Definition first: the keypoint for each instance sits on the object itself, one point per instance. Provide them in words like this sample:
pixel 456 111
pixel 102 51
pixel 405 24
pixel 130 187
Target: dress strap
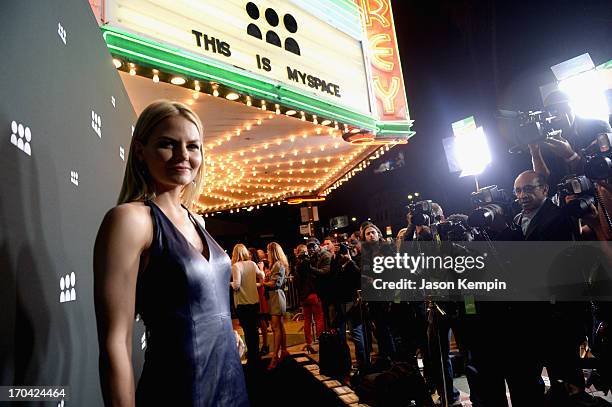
pixel 157 219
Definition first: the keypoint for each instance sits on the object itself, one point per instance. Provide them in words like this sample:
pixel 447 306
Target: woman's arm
pixel 271 281
pixel 122 237
pixel 277 276
pixel 236 277
pixel 261 276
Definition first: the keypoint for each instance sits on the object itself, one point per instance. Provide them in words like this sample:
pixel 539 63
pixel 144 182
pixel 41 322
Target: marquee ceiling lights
pixel 216 90
pixel 255 156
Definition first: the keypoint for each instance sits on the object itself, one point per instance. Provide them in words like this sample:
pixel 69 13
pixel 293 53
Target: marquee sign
pixel 275 39
pixel 386 71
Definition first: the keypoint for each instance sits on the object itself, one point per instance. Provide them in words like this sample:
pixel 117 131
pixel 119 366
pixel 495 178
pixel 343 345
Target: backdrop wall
pixel 66 124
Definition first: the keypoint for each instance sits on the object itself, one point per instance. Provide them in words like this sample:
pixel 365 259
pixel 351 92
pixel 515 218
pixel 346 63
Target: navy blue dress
pixel 191 357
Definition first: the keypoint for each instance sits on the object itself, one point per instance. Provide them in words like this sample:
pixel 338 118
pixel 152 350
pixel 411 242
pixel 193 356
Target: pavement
pixel 296 342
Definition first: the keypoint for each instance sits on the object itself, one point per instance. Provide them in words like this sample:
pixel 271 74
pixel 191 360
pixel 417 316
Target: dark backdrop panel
pixel 55 71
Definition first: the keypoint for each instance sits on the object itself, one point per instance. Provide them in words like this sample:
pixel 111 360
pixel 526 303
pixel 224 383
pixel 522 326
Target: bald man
pixel 540 219
pixel 515 340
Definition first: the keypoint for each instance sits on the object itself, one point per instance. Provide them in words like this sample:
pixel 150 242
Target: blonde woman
pixel 245 275
pixel 277 303
pixel 152 257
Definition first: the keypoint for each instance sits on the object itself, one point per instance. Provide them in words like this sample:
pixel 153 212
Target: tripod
pixel 434 312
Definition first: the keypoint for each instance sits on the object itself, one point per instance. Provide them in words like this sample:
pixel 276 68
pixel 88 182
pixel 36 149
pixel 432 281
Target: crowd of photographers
pixel 566 196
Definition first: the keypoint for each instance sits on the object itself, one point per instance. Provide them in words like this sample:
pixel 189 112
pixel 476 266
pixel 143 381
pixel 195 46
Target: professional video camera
pixel 534 126
pixel 303 257
pixel 490 203
pixel 581 187
pixel 598 156
pixel 455 228
pixel 422 213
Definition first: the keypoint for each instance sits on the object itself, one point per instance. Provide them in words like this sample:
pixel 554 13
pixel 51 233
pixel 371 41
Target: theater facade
pixel 296 96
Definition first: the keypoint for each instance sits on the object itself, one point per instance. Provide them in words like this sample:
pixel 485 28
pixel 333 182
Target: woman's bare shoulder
pixel 132 212
pixel 130 220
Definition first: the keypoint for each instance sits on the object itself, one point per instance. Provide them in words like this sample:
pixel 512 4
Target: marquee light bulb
pixel 178 80
pixel 117 63
pixel 132 69
pixel 196 86
pixel 232 96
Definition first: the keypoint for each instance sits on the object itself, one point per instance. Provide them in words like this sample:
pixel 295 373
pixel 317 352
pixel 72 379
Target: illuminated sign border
pixel 385 69
pixel 155 55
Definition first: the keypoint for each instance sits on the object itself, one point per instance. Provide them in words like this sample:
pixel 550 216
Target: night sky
pixel 459 58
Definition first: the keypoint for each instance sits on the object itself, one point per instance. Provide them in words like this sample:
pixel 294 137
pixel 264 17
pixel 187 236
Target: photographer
pixel 558 325
pixel 560 153
pixel 319 266
pixel 349 307
pixel 570 152
pixel 540 219
pixel 433 320
pixel 371 239
pixel 310 301
pixel 422 218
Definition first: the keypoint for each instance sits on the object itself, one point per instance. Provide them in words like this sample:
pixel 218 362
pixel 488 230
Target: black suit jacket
pixel 551 223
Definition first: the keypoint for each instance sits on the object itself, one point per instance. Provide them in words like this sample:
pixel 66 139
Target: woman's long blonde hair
pixel 240 253
pixel 275 254
pixel 136 185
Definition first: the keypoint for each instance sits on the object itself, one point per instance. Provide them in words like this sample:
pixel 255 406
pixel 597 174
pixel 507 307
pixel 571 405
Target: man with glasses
pixel 557 325
pixel 540 219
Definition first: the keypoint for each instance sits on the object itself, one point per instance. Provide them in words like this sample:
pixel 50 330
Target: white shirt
pixel 244 282
pixel 527 217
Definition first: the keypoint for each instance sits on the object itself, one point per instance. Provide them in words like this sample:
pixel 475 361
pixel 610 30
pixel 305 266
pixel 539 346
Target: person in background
pixel 379 310
pixel 277 303
pixel 263 257
pixel 320 268
pixel 263 317
pixel 311 303
pixel 348 309
pixel 245 276
pixel 328 244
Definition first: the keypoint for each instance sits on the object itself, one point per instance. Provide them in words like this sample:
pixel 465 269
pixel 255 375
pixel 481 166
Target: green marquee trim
pixel 149 53
pixel 606 65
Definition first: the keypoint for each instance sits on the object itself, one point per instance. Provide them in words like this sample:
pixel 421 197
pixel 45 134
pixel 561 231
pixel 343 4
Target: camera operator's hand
pixel 592 215
pixel 559 146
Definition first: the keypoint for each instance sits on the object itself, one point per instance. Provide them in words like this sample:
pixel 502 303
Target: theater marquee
pixel 276 39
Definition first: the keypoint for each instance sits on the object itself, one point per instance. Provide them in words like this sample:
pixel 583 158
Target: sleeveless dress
pixel 191 357
pixel 278 302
